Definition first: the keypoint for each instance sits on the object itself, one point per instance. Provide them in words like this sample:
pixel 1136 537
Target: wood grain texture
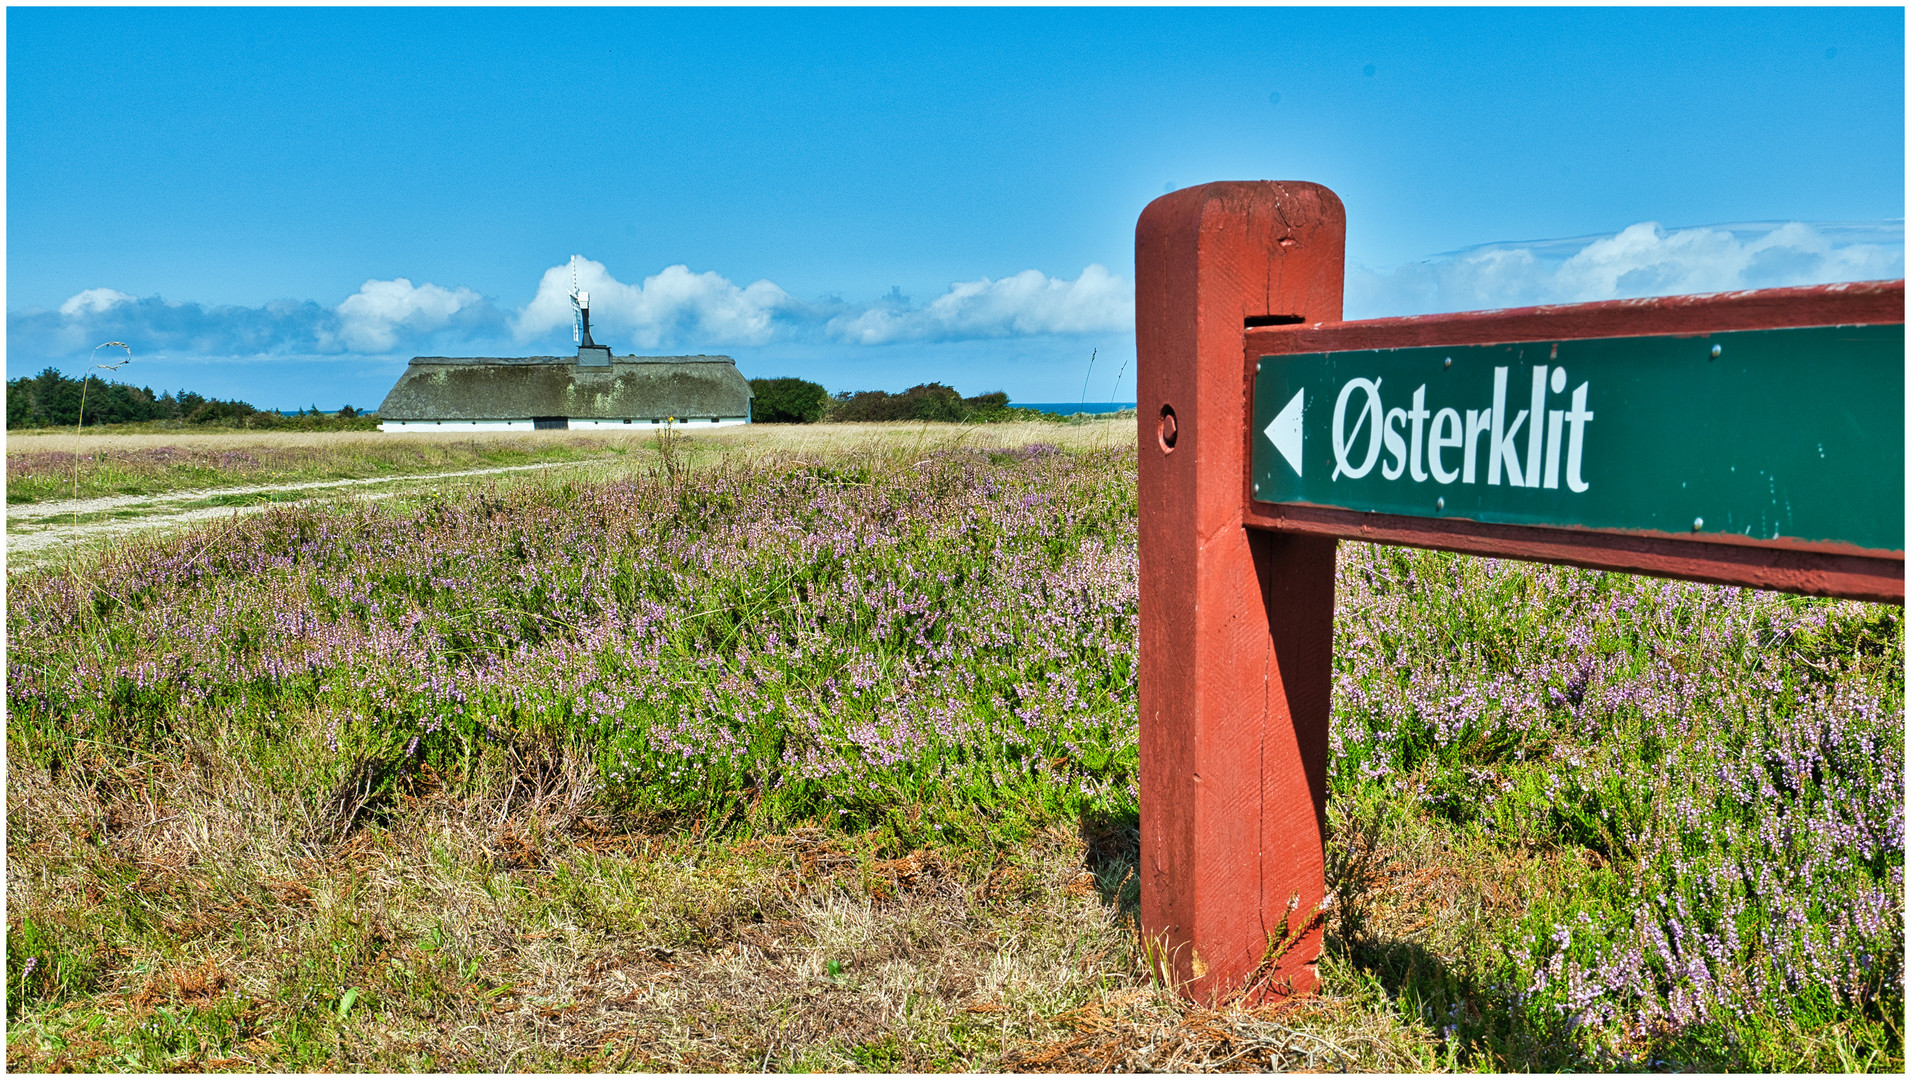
pixel 1236 624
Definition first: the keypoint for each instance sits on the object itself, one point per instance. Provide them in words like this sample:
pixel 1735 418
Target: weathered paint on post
pixel 1236 623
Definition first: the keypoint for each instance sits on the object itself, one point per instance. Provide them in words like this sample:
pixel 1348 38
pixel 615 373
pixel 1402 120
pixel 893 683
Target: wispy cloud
pixel 680 305
pixel 93 301
pixel 154 325
pixel 1640 260
pixel 681 308
pixel 1029 303
pixel 381 317
pixel 674 308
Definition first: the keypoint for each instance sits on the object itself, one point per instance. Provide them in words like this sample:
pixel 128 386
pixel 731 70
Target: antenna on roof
pixel 577 307
pixel 580 311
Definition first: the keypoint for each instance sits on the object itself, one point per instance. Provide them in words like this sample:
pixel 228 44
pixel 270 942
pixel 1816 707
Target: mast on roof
pixel 580 312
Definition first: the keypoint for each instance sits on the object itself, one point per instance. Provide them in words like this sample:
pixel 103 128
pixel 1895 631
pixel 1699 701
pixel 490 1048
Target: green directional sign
pixel 1791 434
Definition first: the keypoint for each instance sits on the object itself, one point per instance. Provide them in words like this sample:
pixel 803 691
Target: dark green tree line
pixel 929 401
pixel 51 399
pixel 799 401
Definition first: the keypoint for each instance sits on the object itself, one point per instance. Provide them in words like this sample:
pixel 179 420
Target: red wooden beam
pixel 1792 566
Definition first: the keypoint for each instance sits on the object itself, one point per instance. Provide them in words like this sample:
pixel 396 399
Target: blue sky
pixel 284 205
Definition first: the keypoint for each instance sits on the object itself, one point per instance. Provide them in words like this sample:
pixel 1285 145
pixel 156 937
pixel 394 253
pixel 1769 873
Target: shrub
pixel 928 401
pixel 989 408
pixel 786 401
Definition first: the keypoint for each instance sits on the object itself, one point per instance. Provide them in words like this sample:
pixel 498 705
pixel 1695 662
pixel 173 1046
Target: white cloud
pixel 681 309
pixel 381 317
pixel 673 305
pixel 675 308
pixel 380 313
pixel 1027 304
pixel 93 301
pixel 1640 260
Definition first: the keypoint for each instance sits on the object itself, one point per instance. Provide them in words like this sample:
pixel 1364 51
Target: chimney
pixel 589 353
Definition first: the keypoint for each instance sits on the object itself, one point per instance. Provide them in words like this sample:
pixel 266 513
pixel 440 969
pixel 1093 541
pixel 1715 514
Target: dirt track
pixel 33 528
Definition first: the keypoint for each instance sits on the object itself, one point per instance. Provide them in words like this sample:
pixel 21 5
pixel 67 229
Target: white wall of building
pixel 575 424
pixel 699 422
pixel 454 425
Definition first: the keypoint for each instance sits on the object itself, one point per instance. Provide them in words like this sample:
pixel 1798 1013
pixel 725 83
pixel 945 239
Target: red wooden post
pixel 1236 624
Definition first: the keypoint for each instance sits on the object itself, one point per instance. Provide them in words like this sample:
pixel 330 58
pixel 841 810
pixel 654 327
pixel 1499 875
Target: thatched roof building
pixel 590 390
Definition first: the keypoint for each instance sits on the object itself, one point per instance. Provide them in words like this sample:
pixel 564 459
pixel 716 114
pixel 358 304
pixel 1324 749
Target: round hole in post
pixel 1165 434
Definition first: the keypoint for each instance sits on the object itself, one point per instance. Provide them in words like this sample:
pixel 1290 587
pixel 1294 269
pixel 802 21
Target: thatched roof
pixel 509 388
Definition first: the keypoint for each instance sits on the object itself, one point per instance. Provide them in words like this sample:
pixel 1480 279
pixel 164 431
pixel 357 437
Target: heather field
pixel 70 494
pixel 821 755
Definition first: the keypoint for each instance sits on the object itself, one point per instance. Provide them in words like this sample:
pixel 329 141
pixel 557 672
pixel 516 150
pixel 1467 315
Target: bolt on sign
pixel 1751 438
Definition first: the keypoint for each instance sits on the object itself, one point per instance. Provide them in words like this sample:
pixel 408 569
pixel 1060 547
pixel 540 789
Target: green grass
pixel 258 421
pixel 145 509
pixel 39 475
pixel 826 762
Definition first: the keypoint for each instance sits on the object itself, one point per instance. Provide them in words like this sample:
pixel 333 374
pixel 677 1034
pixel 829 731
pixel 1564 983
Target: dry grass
pixel 230 909
pixel 784 437
pixel 510 929
pixel 215 911
pixel 56 474
pixel 837 438
pixel 62 441
pixel 1146 1031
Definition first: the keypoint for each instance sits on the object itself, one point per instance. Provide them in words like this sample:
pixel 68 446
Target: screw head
pixel 1698 523
pixel 1257 489
pixel 1440 503
pixel 1447 363
pixel 1717 351
pixel 1257 367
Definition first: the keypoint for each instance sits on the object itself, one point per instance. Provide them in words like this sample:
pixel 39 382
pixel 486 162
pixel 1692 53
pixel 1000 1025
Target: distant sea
pixel 1067 408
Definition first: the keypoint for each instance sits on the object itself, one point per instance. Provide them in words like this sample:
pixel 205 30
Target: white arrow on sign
pixel 1285 432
